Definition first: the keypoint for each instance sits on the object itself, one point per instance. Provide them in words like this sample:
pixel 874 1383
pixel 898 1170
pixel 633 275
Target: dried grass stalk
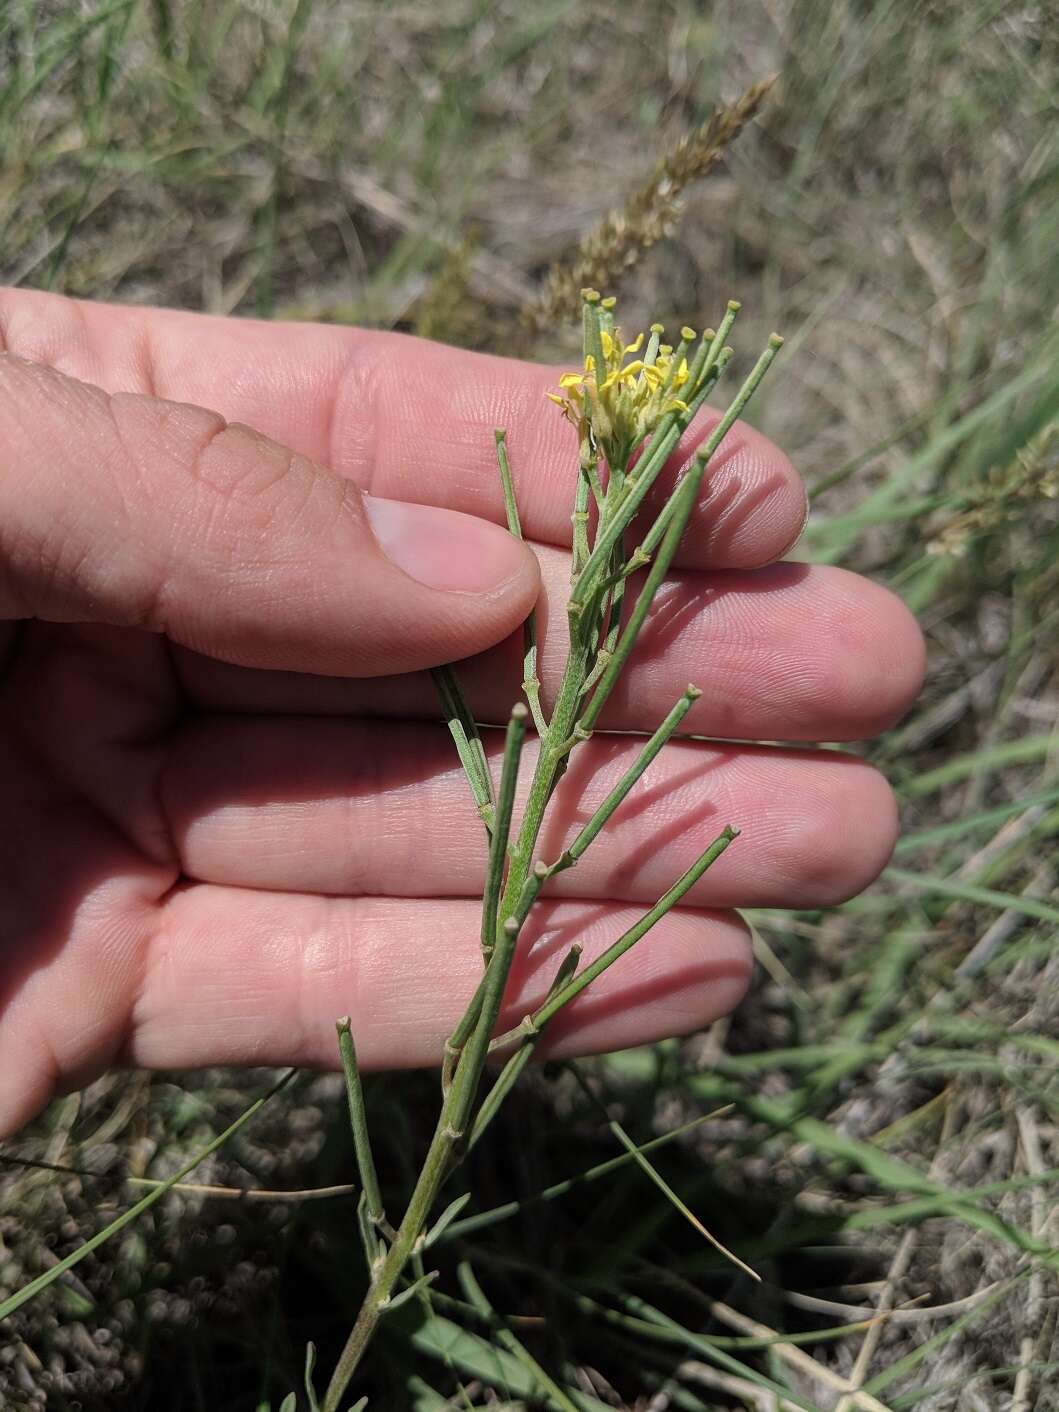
pixel 620 241
pixel 447 310
pixel 1002 495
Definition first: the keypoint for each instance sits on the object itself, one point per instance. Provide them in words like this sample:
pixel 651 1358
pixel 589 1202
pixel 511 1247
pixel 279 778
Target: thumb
pixel 138 512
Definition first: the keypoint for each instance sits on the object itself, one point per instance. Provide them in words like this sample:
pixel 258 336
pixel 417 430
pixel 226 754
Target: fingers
pixel 131 511
pixel 106 954
pixel 791 652
pixel 221 975
pixel 404 418
pixel 375 808
pixel 236 977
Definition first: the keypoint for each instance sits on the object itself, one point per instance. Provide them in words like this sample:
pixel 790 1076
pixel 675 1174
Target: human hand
pixel 229 820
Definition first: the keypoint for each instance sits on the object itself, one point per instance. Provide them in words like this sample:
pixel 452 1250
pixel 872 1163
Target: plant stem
pixel 433 1173
pixel 531 683
pixel 655 1176
pixel 504 1336
pixel 621 790
pixel 591 335
pixel 358 1121
pixel 703 373
pixel 599 649
pixel 642 553
pixel 606 959
pixel 518 1061
pixel 481 1220
pixel 551 764
pixel 647 470
pixel 731 313
pixel 579 521
pixel 688 489
pixel 468 742
pixel 494 877
pixel 460 1035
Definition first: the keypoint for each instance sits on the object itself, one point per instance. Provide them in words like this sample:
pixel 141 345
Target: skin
pixel 231 813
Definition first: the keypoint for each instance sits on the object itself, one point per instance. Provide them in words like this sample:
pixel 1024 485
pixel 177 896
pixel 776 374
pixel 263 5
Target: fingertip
pixel 451 551
pixel 754 505
pixel 481 583
pixel 837 833
pixel 891 655
pixel 698 970
pixel 27 1077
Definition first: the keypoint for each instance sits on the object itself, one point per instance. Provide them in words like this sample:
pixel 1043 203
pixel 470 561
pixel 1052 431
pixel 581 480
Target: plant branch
pixel 494 877
pixel 509 1075
pixel 531 684
pixel 504 1336
pixel 621 790
pixel 612 404
pixel 628 939
pixel 358 1121
pixel 468 742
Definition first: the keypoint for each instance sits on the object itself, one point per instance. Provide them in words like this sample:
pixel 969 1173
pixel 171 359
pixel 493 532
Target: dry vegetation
pixel 894 1140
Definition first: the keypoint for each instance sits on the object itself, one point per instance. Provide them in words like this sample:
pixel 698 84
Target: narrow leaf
pixel 451 1211
pixel 310 1364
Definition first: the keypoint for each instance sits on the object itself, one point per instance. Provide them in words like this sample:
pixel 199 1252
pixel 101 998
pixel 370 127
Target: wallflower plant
pixel 629 404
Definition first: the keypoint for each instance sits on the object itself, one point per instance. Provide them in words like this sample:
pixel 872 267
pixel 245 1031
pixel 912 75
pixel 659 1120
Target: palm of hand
pixel 207 862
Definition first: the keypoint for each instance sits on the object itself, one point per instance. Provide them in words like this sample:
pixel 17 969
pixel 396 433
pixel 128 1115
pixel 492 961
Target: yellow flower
pixel 624 406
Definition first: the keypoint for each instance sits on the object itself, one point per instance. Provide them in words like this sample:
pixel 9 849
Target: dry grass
pixel 613 248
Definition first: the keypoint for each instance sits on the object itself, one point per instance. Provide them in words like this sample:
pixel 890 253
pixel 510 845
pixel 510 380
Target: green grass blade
pixel 968 892
pixel 1011 752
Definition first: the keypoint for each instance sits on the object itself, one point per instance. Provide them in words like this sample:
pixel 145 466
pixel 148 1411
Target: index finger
pixel 404 418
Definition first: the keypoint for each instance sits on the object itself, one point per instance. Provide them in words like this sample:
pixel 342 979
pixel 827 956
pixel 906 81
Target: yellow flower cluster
pixel 626 404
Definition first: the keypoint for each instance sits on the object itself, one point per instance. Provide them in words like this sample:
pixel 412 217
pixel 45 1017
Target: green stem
pixel 468 742
pixel 689 489
pixel 507 484
pixel 653 1174
pixel 591 337
pixel 506 904
pixel 647 469
pixel 616 588
pixel 627 940
pixel 358 1121
pixel 687 338
pixel 460 1035
pixel 621 790
pixel 531 684
pixel 723 330
pixel 504 1336
pixel 591 471
pixel 509 1075
pixel 651 539
pixel 702 375
pixel 494 877
pixel 452 1123
pixel 579 521
pixel 481 1220
pixel 568 985
pixel 380 1291
pixel 472 1059
pixel 551 764
pixel 641 555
